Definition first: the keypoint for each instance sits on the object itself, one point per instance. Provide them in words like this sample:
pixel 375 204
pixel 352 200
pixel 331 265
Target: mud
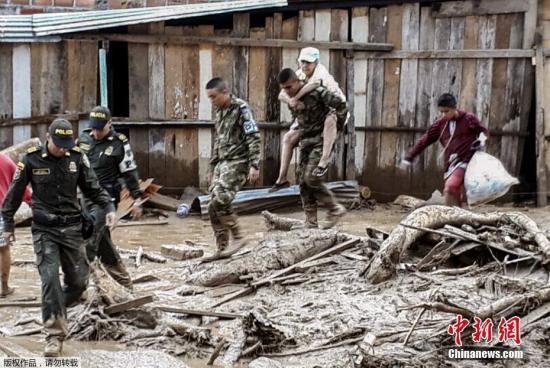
pixel 331 302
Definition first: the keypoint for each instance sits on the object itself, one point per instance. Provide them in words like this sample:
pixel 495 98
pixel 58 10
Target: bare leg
pixel 329 137
pixel 290 140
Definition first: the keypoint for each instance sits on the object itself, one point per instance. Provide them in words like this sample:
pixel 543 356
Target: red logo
pixel 508 329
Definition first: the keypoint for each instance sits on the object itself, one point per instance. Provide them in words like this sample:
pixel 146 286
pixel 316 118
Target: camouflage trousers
pixel 228 178
pixel 59 246
pixel 313 190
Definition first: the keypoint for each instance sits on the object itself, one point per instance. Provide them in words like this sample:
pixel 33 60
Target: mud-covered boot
pixel 54 346
pixel 334 215
pixel 311 218
pixel 230 222
pixel 120 274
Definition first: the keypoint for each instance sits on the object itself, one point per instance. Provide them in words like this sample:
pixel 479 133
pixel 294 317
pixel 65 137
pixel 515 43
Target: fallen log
pixel 216 352
pixel 265 281
pixel 20 304
pixel 145 278
pixel 433 217
pixel 274 222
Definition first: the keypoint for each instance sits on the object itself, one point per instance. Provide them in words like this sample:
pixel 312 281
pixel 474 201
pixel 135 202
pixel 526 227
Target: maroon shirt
pixel 467 129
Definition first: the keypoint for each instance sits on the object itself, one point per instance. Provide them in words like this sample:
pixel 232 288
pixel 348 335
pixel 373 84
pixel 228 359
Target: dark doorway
pixel 117 79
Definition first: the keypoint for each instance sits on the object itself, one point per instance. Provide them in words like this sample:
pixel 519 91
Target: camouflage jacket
pixel 237 135
pixel 318 104
pixel 111 158
pixel 54 184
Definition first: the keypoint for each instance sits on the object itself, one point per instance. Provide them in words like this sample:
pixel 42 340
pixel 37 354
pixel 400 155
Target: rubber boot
pixel 311 218
pixel 120 274
pixel 56 330
pixel 334 215
pixel 231 223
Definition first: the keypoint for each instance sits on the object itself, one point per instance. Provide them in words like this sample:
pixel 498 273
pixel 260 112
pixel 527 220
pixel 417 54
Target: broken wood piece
pixel 355 257
pixel 124 306
pixel 216 352
pixel 413 326
pixel 142 223
pixel 442 246
pixel 433 231
pixel 535 315
pixel 377 234
pixel 318 263
pixel 145 278
pixel 464 247
pixel 180 252
pixel 21 304
pixel 274 222
pixel 29 332
pixel 251 349
pixel 454 271
pixel 317 348
pixel 198 312
pixel 139 254
pixel 163 202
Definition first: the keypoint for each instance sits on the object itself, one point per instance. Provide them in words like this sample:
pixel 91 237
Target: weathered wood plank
pixel 257 77
pixel 89 65
pixel 139 141
pixel 181 156
pixel 425 98
pixel 157 151
pixel 71 96
pixel 205 108
pixel 360 33
pixel 224 59
pixel 375 93
pixel 174 81
pixel 478 7
pixel 273 29
pixel 498 89
pixel 468 85
pixel 6 137
pixel 138 76
pixel 455 66
pixel 338 31
pixel 21 85
pixel 410 35
pixel 512 156
pixel 392 71
pixel 156 75
pixel 47 70
pixel 487 28
pixel 191 70
pixel 473 53
pixel 6 95
pixel 241 29
pixel 323 19
pixel 542 196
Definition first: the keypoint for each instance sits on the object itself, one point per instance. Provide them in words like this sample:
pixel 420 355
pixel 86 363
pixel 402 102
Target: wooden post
pixel 541 164
pixel 349 152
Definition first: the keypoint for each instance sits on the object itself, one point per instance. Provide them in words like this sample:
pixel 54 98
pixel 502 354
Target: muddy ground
pixel 331 304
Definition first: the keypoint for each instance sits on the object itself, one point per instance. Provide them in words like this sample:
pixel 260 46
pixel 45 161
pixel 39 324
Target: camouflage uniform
pixel 236 149
pixel 57 225
pixel 111 158
pixel 317 105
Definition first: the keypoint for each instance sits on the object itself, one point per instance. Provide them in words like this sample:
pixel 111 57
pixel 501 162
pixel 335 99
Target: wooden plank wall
pixel 403 92
pixel 392 98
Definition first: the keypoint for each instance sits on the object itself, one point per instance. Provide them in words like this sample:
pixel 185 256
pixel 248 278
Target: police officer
pixel 236 157
pixel 111 158
pixel 55 170
pixel 317 105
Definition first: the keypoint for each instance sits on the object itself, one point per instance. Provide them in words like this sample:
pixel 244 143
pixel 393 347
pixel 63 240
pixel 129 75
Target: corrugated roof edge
pixel 25 28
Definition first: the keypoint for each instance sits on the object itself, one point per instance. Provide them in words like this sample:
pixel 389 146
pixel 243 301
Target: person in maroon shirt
pixel 7 170
pixel 461 134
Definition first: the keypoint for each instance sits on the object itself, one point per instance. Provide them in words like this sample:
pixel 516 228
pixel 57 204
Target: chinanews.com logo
pixel 507 331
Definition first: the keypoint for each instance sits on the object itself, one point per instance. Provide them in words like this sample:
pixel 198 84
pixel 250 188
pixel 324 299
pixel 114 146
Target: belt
pixel 49 219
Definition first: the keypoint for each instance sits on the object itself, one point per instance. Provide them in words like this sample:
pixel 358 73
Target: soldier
pixel 111 158
pixel 55 170
pixel 236 157
pixel 311 119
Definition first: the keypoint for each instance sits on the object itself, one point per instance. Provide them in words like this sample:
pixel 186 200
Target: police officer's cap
pixel 61 131
pixel 99 117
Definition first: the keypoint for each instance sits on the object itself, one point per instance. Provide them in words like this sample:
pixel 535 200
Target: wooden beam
pixel 228 41
pixel 197 312
pixel 36 120
pixel 449 54
pixel 540 141
pixel 124 306
pixel 478 7
pixel 405 129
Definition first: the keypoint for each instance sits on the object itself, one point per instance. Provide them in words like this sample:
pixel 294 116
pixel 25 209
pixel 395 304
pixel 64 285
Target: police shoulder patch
pixel 33 149
pixel 76 149
pixel 20 165
pixel 122 137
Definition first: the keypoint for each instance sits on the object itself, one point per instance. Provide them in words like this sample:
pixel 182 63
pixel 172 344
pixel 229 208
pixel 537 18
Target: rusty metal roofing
pixel 37 27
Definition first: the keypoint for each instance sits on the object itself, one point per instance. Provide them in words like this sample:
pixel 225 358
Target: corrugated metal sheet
pixel 257 200
pixel 18 28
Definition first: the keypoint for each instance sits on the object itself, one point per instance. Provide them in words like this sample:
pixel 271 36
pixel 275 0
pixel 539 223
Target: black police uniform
pixel 56 228
pixel 111 158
